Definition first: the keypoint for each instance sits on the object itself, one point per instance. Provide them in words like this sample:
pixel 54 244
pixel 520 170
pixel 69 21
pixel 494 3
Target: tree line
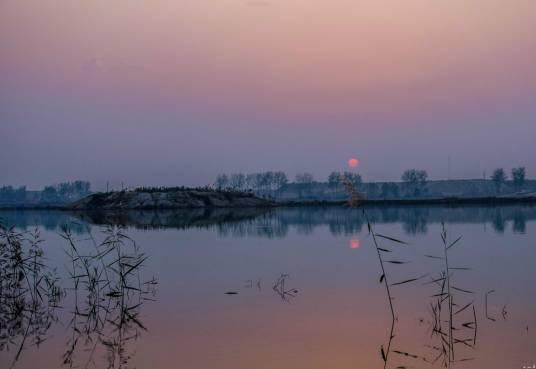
pixel 261 181
pixel 413 181
pixel 12 194
pixel 518 177
pixel 65 191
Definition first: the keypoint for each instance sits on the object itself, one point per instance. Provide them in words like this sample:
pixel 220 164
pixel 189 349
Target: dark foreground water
pixel 299 288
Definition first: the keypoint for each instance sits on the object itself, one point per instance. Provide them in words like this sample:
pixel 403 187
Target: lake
pixel 296 288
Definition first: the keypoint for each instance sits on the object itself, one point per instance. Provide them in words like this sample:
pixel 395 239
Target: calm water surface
pixel 294 288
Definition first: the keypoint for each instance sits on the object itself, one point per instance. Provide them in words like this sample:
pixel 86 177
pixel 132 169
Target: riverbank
pixel 484 201
pixel 432 189
pixel 222 199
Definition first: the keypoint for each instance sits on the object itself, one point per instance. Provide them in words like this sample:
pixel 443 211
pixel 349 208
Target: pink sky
pixel 168 92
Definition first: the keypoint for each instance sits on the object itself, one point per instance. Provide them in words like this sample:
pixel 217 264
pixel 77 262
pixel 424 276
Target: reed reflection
pixel 109 292
pixel 105 296
pixel 29 292
pixel 452 327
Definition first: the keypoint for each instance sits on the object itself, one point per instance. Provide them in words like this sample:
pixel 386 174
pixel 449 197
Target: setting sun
pixel 353 162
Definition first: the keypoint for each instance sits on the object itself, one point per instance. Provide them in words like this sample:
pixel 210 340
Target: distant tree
pixel 280 179
pixel 222 181
pixel 237 181
pixel 264 181
pixel 334 179
pixel 268 180
pixel 498 177
pixel 9 194
pixel 64 189
pixel 351 184
pixel 354 178
pixel 73 190
pixel 518 177
pixel 251 181
pixel 415 180
pixel 304 178
pixel 260 181
pixel 50 193
pixel 81 187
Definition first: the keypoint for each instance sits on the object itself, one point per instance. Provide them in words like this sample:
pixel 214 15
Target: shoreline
pixel 449 201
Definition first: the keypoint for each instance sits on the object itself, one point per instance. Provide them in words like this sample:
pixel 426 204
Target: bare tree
pixel 260 181
pixel 280 179
pixel 222 181
pixel 334 179
pixel 415 180
pixel 268 180
pixel 237 181
pixel 251 181
pixel 9 194
pixel 50 194
pixel 518 177
pixel 498 177
pixel 354 178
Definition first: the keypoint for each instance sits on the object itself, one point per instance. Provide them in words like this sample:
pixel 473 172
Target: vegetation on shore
pixel 63 192
pixel 275 185
pixel 169 198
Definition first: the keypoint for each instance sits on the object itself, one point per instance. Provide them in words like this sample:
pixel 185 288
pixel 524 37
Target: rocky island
pixel 169 198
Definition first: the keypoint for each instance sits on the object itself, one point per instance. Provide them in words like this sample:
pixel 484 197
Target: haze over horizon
pixel 174 92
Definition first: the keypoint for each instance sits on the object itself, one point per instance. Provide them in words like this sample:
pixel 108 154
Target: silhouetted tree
pixel 237 181
pixel 67 191
pixel 251 181
pixel 415 180
pixel 498 177
pixel 81 188
pixel 354 178
pixel 334 179
pixel 9 194
pixel 518 177
pixel 50 193
pixel 280 179
pixel 261 181
pixel 267 180
pixel 222 181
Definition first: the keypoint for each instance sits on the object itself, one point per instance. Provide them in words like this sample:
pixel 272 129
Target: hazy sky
pixel 174 91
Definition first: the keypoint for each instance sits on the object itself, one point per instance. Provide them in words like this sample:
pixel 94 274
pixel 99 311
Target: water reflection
pixel 222 301
pixel 355 243
pixel 286 294
pixel 50 220
pixel 276 223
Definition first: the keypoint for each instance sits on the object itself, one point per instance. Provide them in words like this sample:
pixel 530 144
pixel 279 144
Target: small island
pixel 169 198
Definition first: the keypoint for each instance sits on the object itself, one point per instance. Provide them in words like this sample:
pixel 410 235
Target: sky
pixel 173 92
